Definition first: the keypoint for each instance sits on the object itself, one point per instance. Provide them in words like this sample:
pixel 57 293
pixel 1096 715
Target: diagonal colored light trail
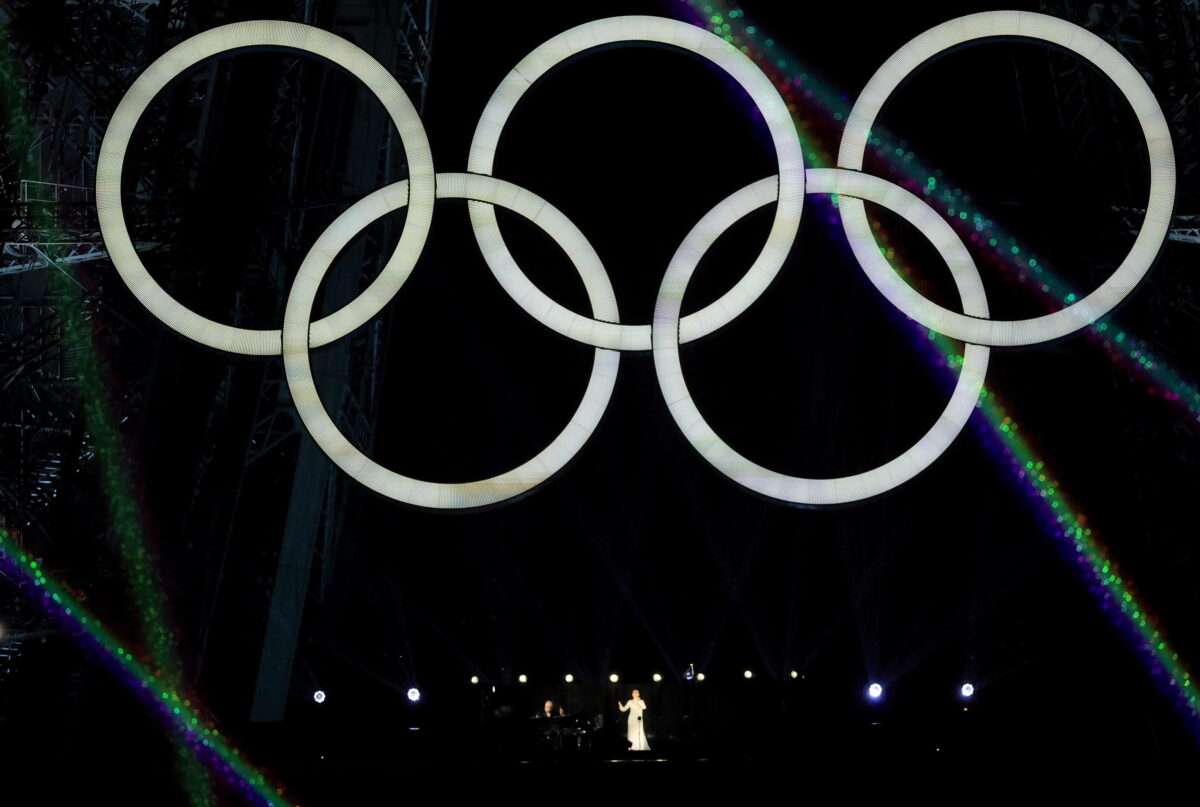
pixel 807 94
pixel 116 480
pixel 201 739
pixel 1061 519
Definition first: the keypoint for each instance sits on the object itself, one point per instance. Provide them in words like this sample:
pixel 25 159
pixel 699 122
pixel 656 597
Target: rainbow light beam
pixel 177 712
pixel 1061 520
pixel 805 94
pixel 118 489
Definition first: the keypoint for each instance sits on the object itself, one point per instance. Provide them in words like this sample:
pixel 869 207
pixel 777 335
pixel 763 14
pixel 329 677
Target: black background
pixel 639 558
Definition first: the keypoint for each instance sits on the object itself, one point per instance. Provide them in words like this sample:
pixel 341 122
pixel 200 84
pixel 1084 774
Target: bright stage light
pixel 414 694
pixel 794 674
pixel 522 679
pixel 570 679
pixel 967 690
pixel 614 678
pixel 699 676
pixel 875 692
pixel 657 678
pixel 747 675
pixel 319 696
pixel 474 679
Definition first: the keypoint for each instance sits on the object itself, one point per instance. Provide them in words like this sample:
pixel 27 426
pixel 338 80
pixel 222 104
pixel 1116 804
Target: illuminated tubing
pixel 442 495
pixel 256 34
pixel 1149 115
pixel 794 489
pixel 603 330
pixel 624 30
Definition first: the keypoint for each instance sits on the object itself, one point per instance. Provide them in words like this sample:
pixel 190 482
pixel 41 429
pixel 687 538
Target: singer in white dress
pixel 637 727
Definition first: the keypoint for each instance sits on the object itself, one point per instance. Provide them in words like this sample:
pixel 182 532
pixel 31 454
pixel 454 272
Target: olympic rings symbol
pixel 603 330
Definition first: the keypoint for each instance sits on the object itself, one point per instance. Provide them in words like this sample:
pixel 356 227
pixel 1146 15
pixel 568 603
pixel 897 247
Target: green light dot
pixel 1016 250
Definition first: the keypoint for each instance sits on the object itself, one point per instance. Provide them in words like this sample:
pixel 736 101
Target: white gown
pixel 637 727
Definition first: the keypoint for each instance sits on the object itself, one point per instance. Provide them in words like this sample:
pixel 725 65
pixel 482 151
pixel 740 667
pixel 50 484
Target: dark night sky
pixel 639 554
pixel 639 557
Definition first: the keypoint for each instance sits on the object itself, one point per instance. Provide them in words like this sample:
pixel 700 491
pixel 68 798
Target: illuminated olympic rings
pixel 603 329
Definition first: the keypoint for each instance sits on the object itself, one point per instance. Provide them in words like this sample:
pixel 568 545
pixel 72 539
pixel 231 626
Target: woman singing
pixel 637 728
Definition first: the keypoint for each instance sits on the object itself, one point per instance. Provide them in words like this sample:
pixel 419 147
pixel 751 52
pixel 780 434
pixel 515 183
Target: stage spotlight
pixel 747 675
pixel 319 696
pixel 614 678
pixel 794 674
pixel 875 692
pixel 967 690
pixel 657 678
pixel 522 679
pixel 474 679
pixel 699 676
pixel 414 694
pixel 570 679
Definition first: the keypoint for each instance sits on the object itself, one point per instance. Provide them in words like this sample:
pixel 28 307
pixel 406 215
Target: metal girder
pixel 398 35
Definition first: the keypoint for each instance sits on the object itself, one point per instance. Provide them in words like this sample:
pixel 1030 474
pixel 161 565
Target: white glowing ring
pixel 793 489
pixel 437 494
pixel 693 40
pixel 1162 176
pixel 260 33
